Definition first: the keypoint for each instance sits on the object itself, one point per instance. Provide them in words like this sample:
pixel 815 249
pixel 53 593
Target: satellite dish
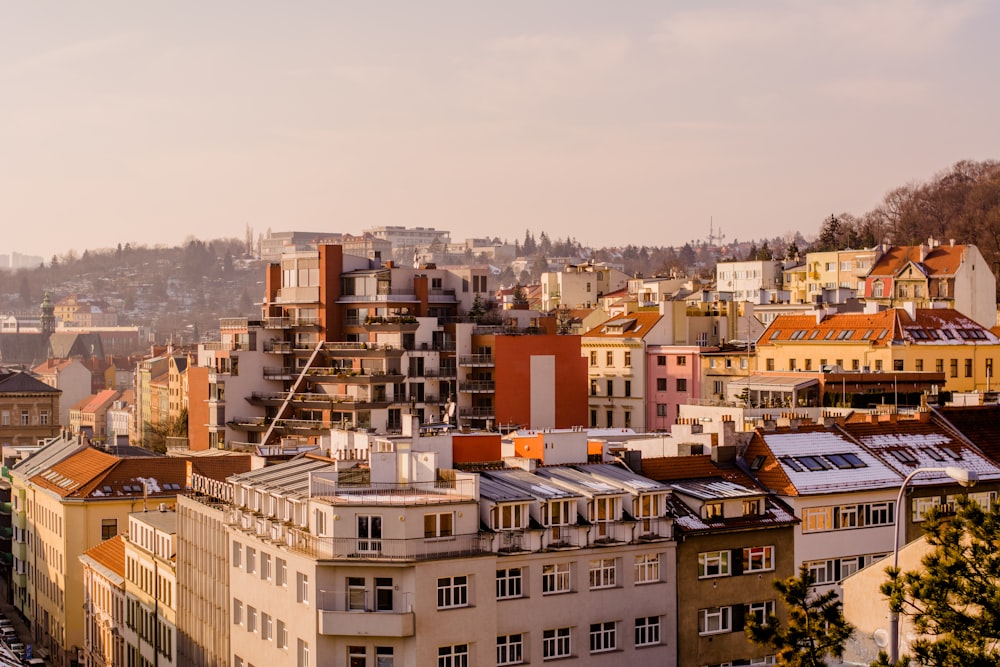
pixel 881 637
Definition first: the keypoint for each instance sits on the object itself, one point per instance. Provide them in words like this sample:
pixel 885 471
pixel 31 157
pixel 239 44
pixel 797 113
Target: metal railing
pixel 476 360
pixel 337 548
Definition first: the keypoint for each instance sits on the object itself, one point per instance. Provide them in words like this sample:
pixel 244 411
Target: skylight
pixel 814 463
pixel 846 461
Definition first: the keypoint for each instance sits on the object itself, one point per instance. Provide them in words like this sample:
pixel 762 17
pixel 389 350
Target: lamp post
pixel 963 476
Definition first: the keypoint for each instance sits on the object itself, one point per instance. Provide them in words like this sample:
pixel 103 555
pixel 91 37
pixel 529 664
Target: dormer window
pixel 508 517
pixel 556 513
pixel 752 507
pixel 713 511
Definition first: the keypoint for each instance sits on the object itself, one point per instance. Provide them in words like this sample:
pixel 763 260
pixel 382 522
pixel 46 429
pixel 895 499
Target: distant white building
pixel 748 281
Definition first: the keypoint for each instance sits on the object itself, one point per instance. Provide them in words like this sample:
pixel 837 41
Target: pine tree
pixel 953 600
pixel 816 626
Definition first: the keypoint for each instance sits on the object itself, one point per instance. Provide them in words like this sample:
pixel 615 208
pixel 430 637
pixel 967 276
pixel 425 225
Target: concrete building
pixel 150 632
pixel 579 285
pixel 104 603
pixel 748 280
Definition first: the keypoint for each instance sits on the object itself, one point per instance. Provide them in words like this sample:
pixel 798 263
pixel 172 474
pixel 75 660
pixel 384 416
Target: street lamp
pixel 963 476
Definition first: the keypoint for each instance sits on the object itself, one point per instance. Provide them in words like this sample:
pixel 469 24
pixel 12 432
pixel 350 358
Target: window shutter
pixel 736 562
pixel 739 617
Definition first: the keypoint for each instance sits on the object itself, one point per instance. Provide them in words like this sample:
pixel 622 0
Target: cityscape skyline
pixel 137 124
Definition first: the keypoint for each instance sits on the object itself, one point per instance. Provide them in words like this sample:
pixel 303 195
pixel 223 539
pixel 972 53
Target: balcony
pixel 336 619
pixel 278 373
pixel 397 550
pixel 478 412
pixel 19 550
pixel 478 386
pixel 277 323
pixel 391 324
pixel 278 346
pixel 476 360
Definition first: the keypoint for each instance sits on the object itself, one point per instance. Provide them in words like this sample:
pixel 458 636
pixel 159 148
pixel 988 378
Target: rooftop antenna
pixel 713 238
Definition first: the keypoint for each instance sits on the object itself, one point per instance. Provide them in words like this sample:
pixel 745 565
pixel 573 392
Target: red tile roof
pixel 940 261
pixel 633 325
pixel 110 554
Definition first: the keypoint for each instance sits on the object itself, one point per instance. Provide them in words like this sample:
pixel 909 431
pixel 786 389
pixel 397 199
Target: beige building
pixel 104 603
pixel 67 498
pixel 29 409
pixel 580 285
pixel 150 632
pixel 390 563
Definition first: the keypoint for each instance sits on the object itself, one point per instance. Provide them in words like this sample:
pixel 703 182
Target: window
pixel 593 357
pixel 251 560
pixel 751 507
pixel 713 511
pixel 759 611
pixel 593 387
pixel 25 418
pixel 556 643
pixel 251 619
pixel 510 649
pixel 383 656
pixel 661 384
pixel 265 567
pixel 647 630
pixel 611 387
pixel 282 638
pixel 303 653
pixel 661 360
pixel 439 524
pixel 603 637
pixel 453 592
pixel 609 358
pixel 5 418
pixel 968 368
pixel 237 612
pixel 357 656
pixel 384 587
pixel 509 583
pixel 816 519
pixel 713 564
pixel 758 559
pixel 281 572
pixel 769 364
pixel 715 620
pixel 602 573
pixel 453 656
pixel 237 554
pixel 628 388
pixel 661 409
pixel 369 532
pixel 109 528
pixel 555 578
pixel 356 594
pixel 266 626
pixel 302 588
pixel 628 358
pixel 954 368
pixel 682 384
pixel 647 568
pixel 43 417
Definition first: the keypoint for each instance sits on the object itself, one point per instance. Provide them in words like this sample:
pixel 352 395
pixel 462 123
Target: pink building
pixel 673 378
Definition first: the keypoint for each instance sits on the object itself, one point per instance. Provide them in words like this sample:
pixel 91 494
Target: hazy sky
pixel 610 121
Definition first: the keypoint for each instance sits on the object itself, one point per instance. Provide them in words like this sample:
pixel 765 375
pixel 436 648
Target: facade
pixel 90 416
pixel 749 280
pixel 150 632
pixel 733 541
pixel 104 603
pixel 579 285
pixel 29 409
pixel 937 340
pixel 673 377
pixel 932 275
pixel 71 377
pixel 67 498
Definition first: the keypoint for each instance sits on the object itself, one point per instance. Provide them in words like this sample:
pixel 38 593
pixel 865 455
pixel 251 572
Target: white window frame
pixel 760 610
pixel 715 564
pixel 453 592
pixel 603 637
pixel 456 655
pixel 758 559
pixel 715 620
pixel 647 631
pixel 557 643
pixel 510 583
pixel 556 578
pixel 510 649
pixel 439 525
pixel 603 573
pixel 647 569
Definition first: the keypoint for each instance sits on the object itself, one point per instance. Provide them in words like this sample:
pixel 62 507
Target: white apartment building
pixel 750 280
pixel 150 630
pixel 580 285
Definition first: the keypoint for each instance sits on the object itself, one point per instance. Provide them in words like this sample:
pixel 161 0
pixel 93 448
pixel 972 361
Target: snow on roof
pixel 826 462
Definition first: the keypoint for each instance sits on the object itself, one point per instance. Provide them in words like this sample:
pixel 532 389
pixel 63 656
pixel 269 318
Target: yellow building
pixel 69 497
pixel 899 339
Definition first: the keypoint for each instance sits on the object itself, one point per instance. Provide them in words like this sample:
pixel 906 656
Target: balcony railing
pixel 476 360
pixel 478 386
pixel 278 346
pixel 477 412
pixel 351 548
pixel 277 323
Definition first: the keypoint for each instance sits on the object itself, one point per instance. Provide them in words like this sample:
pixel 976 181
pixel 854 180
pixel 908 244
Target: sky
pixel 606 121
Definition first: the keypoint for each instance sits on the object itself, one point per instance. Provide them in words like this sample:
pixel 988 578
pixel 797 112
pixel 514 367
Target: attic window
pixel 814 463
pixel 933 453
pixel 951 452
pixel 882 334
pixel 815 332
pixel 793 464
pixel 846 461
pixel 948 334
pixel 775 334
pixel 919 334
pixel 105 489
pixel 868 334
pixel 758 462
pixel 829 334
pixel 904 456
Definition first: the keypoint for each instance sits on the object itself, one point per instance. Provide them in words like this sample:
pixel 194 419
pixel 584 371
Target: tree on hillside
pixel 953 600
pixel 816 627
pixel 829 235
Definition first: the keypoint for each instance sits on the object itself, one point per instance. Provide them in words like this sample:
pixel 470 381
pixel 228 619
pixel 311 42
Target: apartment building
pixel 29 409
pixel 103 568
pixel 150 630
pixel 89 417
pixel 752 281
pixel 941 340
pixel 579 285
pixel 70 376
pixel 932 275
pixel 733 540
pixel 67 498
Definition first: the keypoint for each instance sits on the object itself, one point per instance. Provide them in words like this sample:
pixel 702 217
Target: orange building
pixel 541 381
